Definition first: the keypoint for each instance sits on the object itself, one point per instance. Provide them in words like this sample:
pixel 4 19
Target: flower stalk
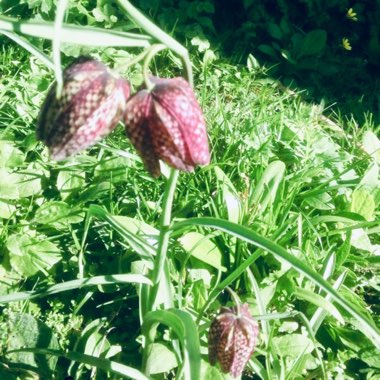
pixel 163 240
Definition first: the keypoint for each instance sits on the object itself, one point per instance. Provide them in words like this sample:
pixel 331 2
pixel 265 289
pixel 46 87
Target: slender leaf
pixel 75 284
pixel 78 35
pixel 103 364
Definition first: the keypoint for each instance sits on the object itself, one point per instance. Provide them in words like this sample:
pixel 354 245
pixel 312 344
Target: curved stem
pixel 159 264
pixel 152 51
pixel 58 22
pixel 236 299
pixel 150 28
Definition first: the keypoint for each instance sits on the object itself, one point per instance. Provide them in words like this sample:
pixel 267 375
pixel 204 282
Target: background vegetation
pixel 290 94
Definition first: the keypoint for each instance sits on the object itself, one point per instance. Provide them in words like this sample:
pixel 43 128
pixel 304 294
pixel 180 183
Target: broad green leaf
pixel 113 169
pixel 288 327
pixel 267 49
pixel 209 372
pixel 69 181
pixel 363 203
pixel 292 345
pixel 30 255
pixel 29 182
pixel 351 338
pixel 202 275
pixel 371 356
pixel 161 359
pixel 371 177
pixel 186 332
pixel 8 184
pixel 202 43
pixel 27 331
pixel 51 212
pixel 371 183
pixel 138 227
pixel 360 240
pixel 371 145
pixel 266 295
pixel 20 185
pixel 200 247
pixel 321 201
pixel 10 156
pixel 314 42
pixel 6 209
pixel 274 30
pixel 95 192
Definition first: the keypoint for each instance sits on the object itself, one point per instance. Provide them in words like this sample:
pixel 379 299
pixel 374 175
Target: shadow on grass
pixel 346 80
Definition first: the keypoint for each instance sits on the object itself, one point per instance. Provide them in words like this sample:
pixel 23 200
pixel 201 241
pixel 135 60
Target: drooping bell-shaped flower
pixel 166 123
pixel 232 339
pixel 91 104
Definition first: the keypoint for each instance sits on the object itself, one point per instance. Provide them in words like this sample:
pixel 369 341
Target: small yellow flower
pixel 351 15
pixel 346 44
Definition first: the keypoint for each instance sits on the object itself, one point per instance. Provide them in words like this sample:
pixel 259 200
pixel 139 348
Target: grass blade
pixel 75 284
pixel 101 363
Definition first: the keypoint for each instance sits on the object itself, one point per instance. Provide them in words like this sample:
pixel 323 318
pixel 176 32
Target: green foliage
pixel 292 191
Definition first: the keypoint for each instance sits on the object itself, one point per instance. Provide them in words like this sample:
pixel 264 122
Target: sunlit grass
pixel 290 171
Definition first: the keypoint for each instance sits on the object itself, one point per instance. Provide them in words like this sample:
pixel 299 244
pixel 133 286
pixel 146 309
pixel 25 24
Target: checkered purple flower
pixel 167 123
pixel 232 339
pixel 90 106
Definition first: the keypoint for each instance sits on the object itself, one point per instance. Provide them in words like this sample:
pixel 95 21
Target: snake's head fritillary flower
pixel 91 104
pixel 232 339
pixel 166 123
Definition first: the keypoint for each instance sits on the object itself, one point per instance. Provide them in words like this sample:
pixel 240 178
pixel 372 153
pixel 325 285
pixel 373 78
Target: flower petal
pixel 138 127
pixel 178 99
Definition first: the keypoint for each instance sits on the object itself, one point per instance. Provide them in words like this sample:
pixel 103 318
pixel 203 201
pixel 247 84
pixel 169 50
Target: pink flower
pixel 166 123
pixel 232 339
pixel 90 106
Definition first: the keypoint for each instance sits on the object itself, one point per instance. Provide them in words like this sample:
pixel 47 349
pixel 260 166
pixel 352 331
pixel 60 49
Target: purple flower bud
pixel 232 339
pixel 90 106
pixel 166 123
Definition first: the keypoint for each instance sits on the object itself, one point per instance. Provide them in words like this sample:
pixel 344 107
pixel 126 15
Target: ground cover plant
pixel 107 272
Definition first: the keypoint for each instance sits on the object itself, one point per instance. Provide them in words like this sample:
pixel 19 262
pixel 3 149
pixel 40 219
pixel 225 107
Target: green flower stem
pixel 236 300
pixel 58 22
pixel 163 240
pixel 150 28
pixel 152 51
